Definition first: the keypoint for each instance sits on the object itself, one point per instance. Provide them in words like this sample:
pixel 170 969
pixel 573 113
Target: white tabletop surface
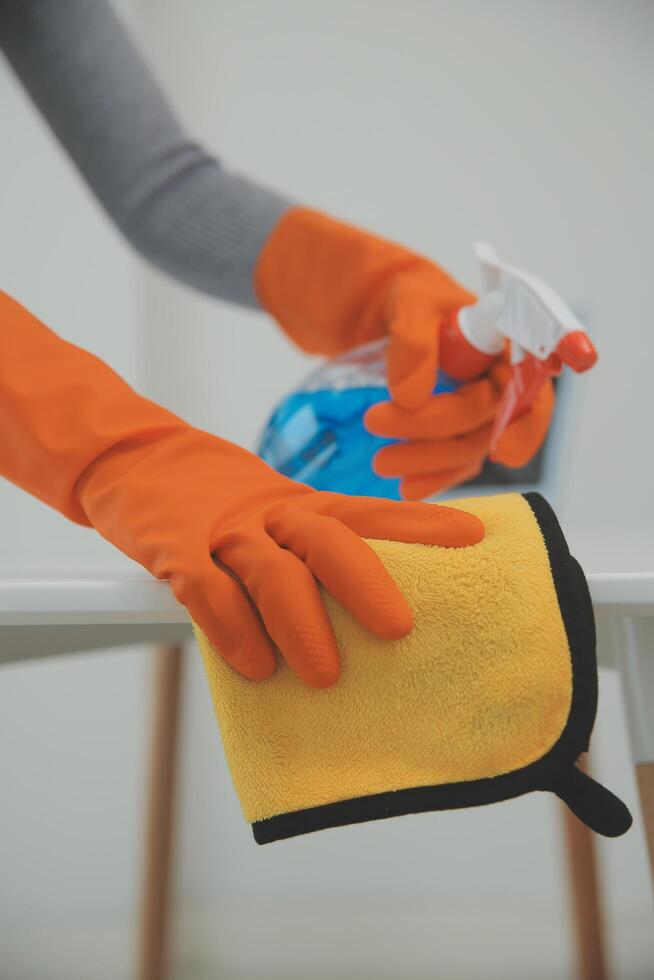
pixel 44 614
pixel 96 598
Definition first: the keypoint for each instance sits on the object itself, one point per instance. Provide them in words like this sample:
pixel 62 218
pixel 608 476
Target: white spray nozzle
pixel 519 306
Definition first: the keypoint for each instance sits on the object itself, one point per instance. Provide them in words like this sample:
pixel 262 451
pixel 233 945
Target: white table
pixel 41 616
pixel 46 615
pixel 49 614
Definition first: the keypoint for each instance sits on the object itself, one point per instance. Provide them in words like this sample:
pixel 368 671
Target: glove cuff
pixel 317 277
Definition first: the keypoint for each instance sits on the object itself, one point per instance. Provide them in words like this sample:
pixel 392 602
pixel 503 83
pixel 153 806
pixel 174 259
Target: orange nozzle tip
pixel 576 350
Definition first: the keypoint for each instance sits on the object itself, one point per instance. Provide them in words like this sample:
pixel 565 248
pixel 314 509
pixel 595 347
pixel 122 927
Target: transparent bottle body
pixel 316 434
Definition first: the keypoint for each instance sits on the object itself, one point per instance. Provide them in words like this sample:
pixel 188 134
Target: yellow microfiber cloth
pixel 493 694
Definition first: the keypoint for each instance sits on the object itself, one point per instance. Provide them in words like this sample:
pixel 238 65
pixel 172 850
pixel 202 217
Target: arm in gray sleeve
pixel 173 201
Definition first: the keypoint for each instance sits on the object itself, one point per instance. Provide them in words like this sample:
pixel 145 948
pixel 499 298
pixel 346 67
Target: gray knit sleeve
pixel 172 200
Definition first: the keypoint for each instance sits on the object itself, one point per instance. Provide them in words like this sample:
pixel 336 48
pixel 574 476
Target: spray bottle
pixel 317 436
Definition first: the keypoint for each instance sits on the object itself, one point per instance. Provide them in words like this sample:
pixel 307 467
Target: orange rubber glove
pixel 333 287
pixel 447 441
pixel 241 545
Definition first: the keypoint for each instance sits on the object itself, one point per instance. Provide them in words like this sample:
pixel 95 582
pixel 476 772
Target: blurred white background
pixel 433 123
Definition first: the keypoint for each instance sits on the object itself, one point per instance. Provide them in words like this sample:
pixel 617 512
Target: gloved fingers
pixel 412 354
pixel 373 517
pixel 413 458
pixel 347 567
pixel 444 416
pixel 523 438
pixel 286 596
pixel 428 484
pixel 222 610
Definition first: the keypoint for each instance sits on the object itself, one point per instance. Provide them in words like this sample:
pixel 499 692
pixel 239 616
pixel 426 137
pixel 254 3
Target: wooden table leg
pixel 586 906
pixel 158 844
pixel 645 778
pixel 635 643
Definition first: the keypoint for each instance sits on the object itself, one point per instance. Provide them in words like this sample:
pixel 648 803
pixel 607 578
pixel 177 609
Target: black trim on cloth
pixel 555 772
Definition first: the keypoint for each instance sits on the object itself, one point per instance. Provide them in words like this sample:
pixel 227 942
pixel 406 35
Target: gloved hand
pixel 446 441
pixel 333 287
pixel 243 547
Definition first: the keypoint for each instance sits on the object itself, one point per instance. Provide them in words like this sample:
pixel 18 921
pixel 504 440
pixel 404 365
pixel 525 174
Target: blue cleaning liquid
pixel 317 436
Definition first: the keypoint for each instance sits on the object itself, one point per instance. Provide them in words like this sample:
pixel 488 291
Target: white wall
pixel 433 123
